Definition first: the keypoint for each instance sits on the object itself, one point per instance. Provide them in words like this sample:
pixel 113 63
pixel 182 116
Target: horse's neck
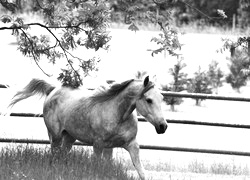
pixel 128 101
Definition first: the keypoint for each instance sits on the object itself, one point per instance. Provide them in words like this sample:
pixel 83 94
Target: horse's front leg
pixel 133 149
pixel 107 153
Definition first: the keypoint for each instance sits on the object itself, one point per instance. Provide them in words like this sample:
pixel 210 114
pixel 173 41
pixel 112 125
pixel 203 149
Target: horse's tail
pixel 35 87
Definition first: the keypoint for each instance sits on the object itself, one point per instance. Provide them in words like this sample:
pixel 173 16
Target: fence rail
pixel 174 121
pixel 204 96
pixel 147 147
pixel 193 95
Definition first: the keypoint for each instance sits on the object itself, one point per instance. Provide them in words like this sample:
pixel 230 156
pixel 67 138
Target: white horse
pixel 105 119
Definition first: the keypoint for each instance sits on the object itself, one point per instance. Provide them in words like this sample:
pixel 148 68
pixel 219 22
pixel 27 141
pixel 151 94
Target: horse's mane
pixel 108 94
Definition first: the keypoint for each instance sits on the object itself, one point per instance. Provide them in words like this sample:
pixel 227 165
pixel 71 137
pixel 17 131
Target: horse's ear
pixel 146 81
pixel 154 79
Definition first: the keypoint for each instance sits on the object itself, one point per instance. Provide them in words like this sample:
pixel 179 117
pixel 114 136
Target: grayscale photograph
pixel 124 90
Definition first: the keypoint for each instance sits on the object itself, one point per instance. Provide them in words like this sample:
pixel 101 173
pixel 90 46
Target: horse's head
pixel 149 106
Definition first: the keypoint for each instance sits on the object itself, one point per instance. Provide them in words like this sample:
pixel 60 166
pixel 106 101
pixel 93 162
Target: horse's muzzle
pixel 161 128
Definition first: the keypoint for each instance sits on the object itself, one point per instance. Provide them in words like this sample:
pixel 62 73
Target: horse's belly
pixel 121 139
pixel 80 131
pixel 115 142
pixel 83 135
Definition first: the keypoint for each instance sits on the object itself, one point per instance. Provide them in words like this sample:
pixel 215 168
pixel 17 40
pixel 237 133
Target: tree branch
pixel 34 57
pixel 48 28
pixel 199 11
pixel 64 50
pixel 44 26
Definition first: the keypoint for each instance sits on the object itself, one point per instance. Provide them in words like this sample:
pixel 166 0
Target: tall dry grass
pixel 28 162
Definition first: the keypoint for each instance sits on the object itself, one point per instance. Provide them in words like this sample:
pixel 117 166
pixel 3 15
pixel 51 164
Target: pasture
pixel 28 162
pixel 128 53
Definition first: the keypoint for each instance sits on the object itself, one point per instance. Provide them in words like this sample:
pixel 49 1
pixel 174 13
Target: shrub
pixel 215 75
pixel 238 63
pixel 199 84
pixel 177 85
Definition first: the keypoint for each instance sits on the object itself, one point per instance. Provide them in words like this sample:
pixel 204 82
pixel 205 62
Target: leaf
pixel 6 19
pixel 157 51
pixel 19 21
pixel 15 31
pixel 133 27
pixel 221 13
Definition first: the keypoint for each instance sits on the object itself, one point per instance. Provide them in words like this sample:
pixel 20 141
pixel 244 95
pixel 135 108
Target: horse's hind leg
pixel 61 144
pixel 97 152
pixel 55 143
pixel 105 153
pixel 67 142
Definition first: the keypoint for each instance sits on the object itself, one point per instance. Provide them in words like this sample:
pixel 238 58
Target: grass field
pixel 26 162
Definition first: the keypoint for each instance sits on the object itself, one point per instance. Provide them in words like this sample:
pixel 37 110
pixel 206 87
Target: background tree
pixel 215 75
pixel 239 62
pixel 177 85
pixel 199 84
pixel 205 13
pixel 244 13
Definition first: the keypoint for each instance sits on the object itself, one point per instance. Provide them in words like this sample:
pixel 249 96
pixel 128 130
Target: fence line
pixel 192 95
pixel 148 147
pixel 174 121
pixel 204 96
pixel 189 122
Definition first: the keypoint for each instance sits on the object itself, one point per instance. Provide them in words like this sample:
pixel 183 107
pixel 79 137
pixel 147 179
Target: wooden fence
pixel 187 122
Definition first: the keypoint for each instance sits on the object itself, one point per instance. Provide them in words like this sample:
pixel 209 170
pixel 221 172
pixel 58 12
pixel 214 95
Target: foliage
pixel 239 62
pixel 80 23
pixel 69 78
pixel 216 12
pixel 243 22
pixel 177 85
pixel 146 12
pixel 71 24
pixel 28 162
pixel 168 41
pixel 241 42
pixel 240 55
pixel 199 84
pixel 140 74
pixel 215 75
pixel 244 13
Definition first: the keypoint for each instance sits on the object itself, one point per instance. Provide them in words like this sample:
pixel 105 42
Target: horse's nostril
pixel 162 127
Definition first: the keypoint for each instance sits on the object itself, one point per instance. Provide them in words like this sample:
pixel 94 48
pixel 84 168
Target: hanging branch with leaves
pixel 81 26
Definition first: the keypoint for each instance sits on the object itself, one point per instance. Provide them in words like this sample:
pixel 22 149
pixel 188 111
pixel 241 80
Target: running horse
pixel 104 119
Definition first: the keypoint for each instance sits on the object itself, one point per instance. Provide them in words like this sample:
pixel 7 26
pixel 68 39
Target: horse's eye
pixel 149 101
